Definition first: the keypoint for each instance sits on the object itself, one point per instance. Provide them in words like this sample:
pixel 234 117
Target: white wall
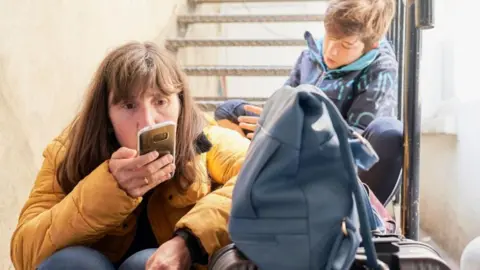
pixel 48 53
pixel 450 209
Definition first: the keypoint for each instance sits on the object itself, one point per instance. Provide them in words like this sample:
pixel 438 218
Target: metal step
pixel 210 104
pixel 223 99
pixel 189 19
pixel 250 1
pixel 175 44
pixel 238 70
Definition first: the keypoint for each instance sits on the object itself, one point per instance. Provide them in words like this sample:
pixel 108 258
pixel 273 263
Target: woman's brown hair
pixel 125 72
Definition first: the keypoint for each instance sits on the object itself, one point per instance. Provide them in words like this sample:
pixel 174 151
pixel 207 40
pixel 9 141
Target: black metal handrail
pixel 418 16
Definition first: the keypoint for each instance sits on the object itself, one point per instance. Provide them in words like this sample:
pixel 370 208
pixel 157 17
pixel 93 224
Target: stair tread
pixel 234 39
pixel 251 1
pixel 176 43
pixel 248 18
pixel 238 67
pixel 223 99
pixel 239 70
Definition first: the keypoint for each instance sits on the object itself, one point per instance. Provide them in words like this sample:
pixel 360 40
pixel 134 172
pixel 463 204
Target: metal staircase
pixel 184 21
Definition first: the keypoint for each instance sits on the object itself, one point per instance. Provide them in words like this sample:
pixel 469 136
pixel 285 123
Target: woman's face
pixel 130 116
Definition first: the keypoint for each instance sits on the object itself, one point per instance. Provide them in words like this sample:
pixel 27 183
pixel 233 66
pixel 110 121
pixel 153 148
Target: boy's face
pixel 341 51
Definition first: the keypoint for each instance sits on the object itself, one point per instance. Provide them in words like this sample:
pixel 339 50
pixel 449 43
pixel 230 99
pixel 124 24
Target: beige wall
pixel 48 52
pixel 450 185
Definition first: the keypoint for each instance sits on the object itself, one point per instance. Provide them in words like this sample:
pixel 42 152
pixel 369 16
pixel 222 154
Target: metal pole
pixel 400 50
pixel 412 123
pixel 400 21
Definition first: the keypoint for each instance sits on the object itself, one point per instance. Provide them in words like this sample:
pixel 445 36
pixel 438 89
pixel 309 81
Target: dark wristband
pixel 197 253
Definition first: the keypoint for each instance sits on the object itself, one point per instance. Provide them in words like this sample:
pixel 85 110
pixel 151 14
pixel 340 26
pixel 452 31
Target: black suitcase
pixel 393 251
pixel 396 252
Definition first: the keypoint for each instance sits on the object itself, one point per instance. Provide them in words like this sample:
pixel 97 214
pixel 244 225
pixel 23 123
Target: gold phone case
pixel 159 137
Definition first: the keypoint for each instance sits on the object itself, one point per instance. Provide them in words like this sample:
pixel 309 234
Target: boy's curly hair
pixel 369 19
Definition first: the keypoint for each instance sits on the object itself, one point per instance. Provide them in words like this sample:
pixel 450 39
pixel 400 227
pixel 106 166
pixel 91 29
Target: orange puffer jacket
pixel 99 214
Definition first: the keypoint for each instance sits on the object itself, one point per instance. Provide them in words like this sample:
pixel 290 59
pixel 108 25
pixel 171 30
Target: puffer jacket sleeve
pixel 208 219
pixel 51 220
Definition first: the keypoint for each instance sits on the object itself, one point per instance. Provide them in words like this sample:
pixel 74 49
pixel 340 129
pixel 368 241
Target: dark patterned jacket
pixel 362 90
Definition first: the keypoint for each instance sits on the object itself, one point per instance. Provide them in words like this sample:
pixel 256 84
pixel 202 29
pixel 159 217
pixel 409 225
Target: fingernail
pixel 155 154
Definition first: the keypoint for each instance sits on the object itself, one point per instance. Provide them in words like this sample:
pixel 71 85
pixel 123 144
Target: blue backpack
pixel 298 203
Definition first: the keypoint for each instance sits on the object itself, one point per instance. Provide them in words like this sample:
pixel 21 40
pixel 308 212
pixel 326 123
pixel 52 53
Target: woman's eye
pixel 161 101
pixel 128 106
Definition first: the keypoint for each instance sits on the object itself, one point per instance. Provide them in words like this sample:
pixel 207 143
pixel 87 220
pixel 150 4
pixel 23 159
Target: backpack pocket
pixel 276 251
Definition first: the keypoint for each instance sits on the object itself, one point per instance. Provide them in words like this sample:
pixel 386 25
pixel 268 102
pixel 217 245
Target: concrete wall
pixel 48 52
pixel 449 195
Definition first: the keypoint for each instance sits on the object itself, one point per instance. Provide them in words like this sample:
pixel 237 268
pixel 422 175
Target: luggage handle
pixel 343 131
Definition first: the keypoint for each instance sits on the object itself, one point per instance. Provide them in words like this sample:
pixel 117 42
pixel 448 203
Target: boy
pixel 356 67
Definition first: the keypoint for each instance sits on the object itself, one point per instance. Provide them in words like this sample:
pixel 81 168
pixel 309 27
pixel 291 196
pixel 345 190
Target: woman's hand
pixel 172 255
pixel 136 175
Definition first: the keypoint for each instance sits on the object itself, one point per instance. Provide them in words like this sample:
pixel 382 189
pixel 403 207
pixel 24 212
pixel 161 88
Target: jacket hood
pixel 316 54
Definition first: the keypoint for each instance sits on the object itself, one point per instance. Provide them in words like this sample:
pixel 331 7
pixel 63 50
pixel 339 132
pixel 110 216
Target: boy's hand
pixel 250 122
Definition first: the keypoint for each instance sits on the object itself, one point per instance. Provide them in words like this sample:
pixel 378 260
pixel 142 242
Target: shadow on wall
pixel 16 168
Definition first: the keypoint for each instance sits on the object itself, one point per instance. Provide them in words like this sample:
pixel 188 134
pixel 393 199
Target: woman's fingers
pixel 141 161
pixel 139 186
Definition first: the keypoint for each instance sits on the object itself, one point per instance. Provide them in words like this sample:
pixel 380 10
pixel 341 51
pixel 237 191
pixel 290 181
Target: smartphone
pixel 159 137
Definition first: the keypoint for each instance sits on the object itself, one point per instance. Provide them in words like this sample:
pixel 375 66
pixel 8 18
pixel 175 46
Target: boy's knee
pixel 386 135
pixel 471 256
pixel 387 127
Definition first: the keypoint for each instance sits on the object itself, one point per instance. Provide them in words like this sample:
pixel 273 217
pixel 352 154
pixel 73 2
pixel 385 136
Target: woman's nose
pixel 146 117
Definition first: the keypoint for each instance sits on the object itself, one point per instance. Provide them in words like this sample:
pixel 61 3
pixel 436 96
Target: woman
pixel 97 204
